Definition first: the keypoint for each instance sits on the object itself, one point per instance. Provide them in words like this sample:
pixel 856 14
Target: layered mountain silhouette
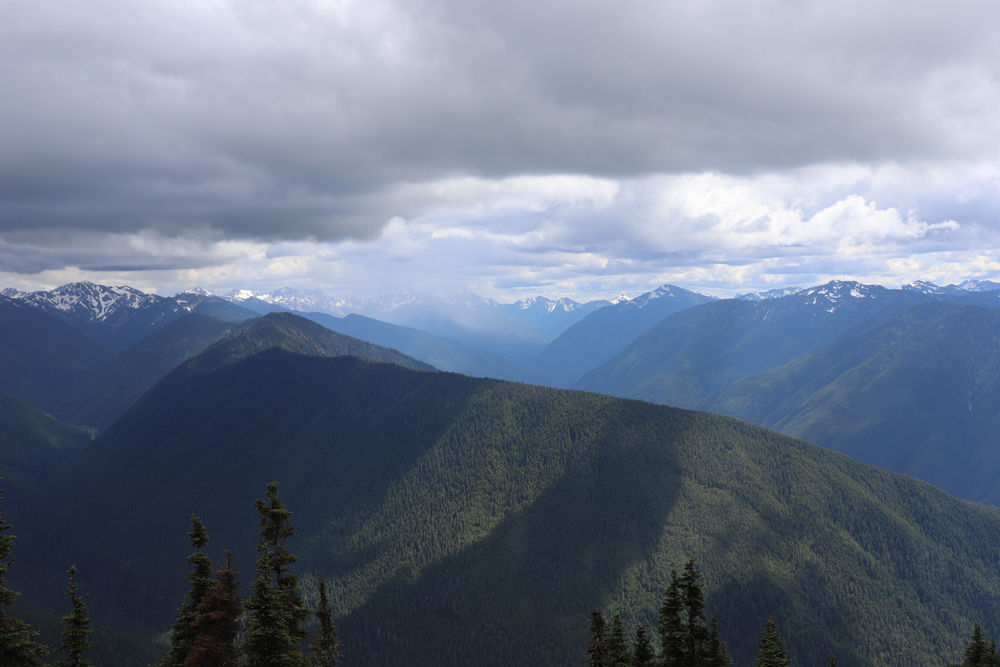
pixel 604 333
pixel 699 350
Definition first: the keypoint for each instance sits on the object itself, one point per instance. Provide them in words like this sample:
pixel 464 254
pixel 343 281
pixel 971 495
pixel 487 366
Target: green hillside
pixel 699 350
pixel 140 367
pixel 467 521
pixel 919 394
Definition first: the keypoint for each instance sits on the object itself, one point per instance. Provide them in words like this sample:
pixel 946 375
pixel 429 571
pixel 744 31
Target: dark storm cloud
pixel 288 120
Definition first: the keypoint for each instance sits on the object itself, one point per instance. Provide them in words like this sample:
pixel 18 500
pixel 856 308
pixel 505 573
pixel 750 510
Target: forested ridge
pixel 917 394
pixel 471 521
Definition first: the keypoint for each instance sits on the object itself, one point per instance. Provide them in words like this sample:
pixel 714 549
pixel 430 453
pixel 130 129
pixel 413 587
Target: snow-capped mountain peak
pixel 243 295
pixel 90 301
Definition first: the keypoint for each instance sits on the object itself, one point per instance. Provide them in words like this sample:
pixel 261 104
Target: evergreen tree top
pixel 77 631
pixel 274 519
pixel 770 649
pixel 197 537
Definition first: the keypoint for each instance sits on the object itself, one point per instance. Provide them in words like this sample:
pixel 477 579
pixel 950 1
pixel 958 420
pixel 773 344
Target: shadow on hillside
pixel 523 594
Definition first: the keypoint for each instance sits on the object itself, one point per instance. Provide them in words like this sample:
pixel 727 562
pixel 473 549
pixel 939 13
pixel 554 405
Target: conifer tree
pixel 643 654
pixel 980 652
pixel 696 632
pixel 597 642
pixel 716 654
pixel 216 629
pixel 182 634
pixel 277 610
pixel 685 638
pixel 77 630
pixel 619 652
pixel 833 662
pixel 18 646
pixel 325 648
pixel 671 626
pixel 770 649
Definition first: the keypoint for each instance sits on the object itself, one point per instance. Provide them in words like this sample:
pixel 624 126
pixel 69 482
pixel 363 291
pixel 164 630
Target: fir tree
pixel 77 630
pixel 277 610
pixel 696 633
pixel 18 647
pixel 671 626
pixel 980 652
pixel 182 634
pixel 325 648
pixel 642 654
pixel 716 654
pixel 770 649
pixel 597 643
pixel 619 652
pixel 216 628
pixel 686 639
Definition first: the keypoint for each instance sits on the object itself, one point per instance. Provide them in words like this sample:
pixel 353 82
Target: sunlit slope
pixel 919 394
pixel 476 522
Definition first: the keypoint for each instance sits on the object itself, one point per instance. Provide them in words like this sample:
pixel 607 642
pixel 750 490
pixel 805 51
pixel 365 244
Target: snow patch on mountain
pixel 926 287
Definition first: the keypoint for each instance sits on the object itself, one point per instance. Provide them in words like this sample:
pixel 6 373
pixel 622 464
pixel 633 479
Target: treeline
pixel 215 627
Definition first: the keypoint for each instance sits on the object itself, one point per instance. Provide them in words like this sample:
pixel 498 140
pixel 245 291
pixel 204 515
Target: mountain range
pixel 476 521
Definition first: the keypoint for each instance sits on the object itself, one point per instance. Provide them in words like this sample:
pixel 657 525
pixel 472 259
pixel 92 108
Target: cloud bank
pixel 579 148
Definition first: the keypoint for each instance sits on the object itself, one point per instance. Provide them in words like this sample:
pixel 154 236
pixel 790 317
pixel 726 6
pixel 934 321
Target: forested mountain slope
pixel 699 350
pixel 919 394
pixel 43 359
pixel 467 521
pixel 33 444
pixel 140 367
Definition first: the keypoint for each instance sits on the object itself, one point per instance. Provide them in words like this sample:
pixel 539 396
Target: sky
pixel 582 149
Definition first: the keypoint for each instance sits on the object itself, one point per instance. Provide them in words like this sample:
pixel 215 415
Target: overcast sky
pixel 513 148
